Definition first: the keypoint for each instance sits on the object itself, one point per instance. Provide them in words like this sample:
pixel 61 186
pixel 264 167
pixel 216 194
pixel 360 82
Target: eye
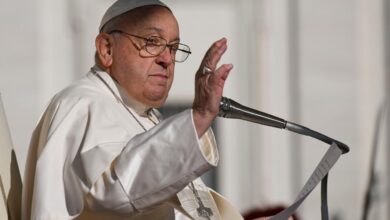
pixel 155 41
pixel 174 47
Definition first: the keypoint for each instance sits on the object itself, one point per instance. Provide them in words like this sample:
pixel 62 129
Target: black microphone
pixel 231 109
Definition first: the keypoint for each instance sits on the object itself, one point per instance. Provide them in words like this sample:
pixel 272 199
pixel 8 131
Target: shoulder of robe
pixel 84 89
pixel 79 100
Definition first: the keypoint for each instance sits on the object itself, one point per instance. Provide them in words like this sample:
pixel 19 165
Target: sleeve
pixel 157 164
pixel 149 167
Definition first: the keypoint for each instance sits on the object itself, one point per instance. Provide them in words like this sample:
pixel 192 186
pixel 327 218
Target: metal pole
pixel 294 79
pixel 386 43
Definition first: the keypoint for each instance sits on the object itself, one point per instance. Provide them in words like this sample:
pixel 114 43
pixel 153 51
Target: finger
pixel 215 53
pixel 219 77
pixel 212 56
pixel 223 71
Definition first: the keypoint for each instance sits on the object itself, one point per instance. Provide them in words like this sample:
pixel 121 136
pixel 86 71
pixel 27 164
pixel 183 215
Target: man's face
pixel 146 79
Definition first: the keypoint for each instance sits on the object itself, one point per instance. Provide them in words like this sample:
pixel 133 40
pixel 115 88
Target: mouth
pixel 160 75
pixel 160 79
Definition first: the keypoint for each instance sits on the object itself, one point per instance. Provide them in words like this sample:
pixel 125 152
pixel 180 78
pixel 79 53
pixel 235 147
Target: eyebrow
pixel 160 31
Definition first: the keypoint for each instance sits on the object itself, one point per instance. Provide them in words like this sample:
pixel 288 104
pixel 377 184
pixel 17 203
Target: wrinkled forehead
pixel 122 7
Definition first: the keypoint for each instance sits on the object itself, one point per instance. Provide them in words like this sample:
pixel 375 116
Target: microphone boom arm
pixel 232 109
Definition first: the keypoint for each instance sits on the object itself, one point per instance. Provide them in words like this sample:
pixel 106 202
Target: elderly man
pixel 100 150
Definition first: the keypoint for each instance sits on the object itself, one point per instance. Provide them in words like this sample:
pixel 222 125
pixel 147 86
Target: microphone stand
pixel 372 181
pixel 232 109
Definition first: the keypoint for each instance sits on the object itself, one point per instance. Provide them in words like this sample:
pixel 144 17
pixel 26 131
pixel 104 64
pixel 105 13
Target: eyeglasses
pixel 154 46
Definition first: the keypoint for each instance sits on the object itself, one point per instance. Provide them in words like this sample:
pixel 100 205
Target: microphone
pixel 231 109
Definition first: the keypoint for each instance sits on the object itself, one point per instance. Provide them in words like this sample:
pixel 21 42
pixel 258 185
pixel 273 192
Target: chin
pixel 155 97
pixel 157 102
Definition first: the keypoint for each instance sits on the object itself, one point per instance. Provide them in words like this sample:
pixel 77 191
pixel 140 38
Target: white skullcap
pixel 123 6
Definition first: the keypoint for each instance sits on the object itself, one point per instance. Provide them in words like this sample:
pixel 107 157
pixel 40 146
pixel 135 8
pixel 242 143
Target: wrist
pixel 202 120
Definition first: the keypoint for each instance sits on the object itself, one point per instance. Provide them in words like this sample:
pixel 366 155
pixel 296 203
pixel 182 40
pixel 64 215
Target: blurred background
pixel 322 64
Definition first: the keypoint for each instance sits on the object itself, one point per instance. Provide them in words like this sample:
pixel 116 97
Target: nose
pixel 165 58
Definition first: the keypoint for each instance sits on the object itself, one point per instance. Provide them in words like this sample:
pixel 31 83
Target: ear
pixel 104 49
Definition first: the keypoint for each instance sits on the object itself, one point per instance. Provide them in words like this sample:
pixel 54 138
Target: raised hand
pixel 209 84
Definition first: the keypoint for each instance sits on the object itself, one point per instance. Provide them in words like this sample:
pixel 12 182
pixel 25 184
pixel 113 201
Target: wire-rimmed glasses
pixel 155 45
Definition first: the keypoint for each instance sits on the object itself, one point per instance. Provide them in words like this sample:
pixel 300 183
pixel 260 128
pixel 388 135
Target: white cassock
pixel 90 158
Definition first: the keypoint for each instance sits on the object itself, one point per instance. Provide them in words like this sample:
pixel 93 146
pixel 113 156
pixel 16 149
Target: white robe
pixel 90 159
